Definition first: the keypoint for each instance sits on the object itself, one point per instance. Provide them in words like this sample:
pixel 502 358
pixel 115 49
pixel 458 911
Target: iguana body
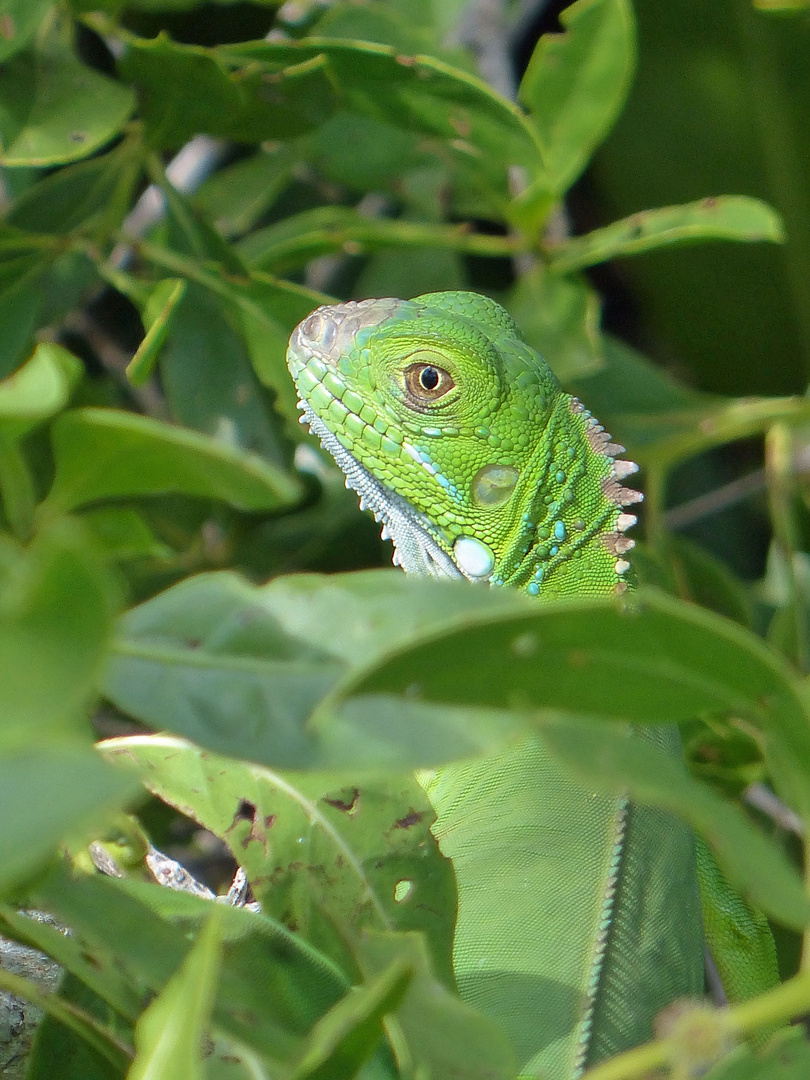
pixel 579 915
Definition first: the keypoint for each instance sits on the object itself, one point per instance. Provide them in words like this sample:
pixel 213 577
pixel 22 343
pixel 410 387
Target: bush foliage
pixel 183 183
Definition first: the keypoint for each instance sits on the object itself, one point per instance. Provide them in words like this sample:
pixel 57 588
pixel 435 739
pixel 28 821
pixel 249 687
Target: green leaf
pixel 93 970
pixel 124 534
pixel 19 20
pixel 323 850
pixel 273 986
pixel 438 1034
pixel 48 796
pixel 213 650
pixel 21 273
pixel 421 94
pixel 103 454
pixel 752 864
pixel 209 382
pixel 55 617
pixel 728 217
pixel 53 109
pixel 157 314
pixel 38 390
pixel 560 319
pixel 75 195
pixel 169 1036
pixel 236 197
pixel 348 1034
pixel 576 83
pixel 186 90
pixel 655 660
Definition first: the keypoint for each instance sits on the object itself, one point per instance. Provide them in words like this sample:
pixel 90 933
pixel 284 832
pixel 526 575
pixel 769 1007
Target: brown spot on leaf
pixel 340 802
pixel 413 817
pixel 269 821
pixel 7 30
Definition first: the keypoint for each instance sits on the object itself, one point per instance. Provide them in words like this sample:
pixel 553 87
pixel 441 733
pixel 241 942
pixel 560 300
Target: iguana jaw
pixel 417 548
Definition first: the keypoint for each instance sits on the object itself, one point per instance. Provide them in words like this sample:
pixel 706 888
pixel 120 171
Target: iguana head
pixel 457 435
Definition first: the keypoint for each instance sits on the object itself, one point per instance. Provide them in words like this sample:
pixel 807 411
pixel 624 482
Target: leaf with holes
pixel 323 854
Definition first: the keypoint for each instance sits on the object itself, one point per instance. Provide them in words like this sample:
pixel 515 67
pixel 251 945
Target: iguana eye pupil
pixel 426 383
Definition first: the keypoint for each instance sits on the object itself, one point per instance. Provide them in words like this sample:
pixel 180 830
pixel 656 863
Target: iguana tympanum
pixel 579 915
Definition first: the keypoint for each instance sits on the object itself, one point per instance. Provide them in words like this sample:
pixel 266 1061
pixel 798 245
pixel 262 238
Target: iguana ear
pixel 470 305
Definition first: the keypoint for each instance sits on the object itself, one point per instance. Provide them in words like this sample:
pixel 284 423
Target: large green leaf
pixel 107 454
pixel 207 654
pixel 320 850
pixel 415 92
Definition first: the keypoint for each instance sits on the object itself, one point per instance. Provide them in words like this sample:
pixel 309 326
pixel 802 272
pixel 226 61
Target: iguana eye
pixel 426 382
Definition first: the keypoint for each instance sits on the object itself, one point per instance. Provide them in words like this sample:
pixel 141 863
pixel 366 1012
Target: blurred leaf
pixel 237 196
pixel 786 1057
pixel 19 20
pixel 55 616
pixel 348 1034
pixel 103 454
pixel 101 977
pixel 728 217
pixel 73 196
pixel 705 580
pixel 657 661
pixel 560 319
pixel 50 795
pixel 204 655
pixel 210 384
pixel 438 1032
pixel 272 987
pixel 157 314
pixel 123 533
pixel 320 853
pixel 38 390
pixel 21 273
pixel 53 109
pixel 170 1033
pixel 576 84
pixel 754 865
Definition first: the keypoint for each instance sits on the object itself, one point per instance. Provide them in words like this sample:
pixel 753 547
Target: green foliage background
pixel 181 184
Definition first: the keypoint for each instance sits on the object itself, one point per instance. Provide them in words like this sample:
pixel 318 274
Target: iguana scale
pixel 579 915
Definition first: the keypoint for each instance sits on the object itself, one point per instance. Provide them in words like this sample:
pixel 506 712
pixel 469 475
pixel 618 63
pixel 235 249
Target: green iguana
pixel 579 915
